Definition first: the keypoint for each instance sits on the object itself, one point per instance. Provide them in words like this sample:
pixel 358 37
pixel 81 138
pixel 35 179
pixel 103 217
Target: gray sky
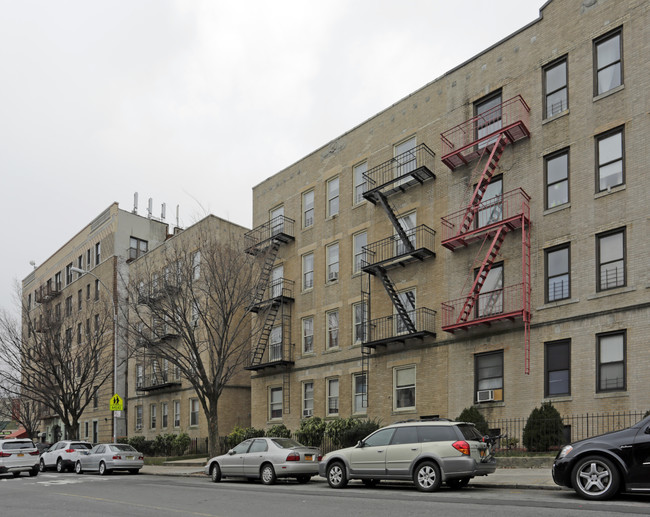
pixel 193 102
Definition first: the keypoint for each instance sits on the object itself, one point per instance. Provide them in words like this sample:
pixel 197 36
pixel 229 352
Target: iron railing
pixel 490 305
pixel 278 288
pixel 400 167
pixel 421 237
pixel 156 380
pixel 279 227
pixel 391 327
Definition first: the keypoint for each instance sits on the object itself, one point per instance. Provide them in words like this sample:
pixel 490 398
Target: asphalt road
pixel 70 495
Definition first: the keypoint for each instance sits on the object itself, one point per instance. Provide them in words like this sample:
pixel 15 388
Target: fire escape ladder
pixel 265 274
pixel 397 303
pixel 269 320
pixel 365 350
pixel 286 399
pixel 526 279
pixel 485 268
pixel 408 245
pixel 483 182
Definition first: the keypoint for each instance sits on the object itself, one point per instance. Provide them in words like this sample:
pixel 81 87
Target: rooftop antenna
pixel 32 263
pixel 163 211
pixel 178 224
pixel 150 208
pixel 135 203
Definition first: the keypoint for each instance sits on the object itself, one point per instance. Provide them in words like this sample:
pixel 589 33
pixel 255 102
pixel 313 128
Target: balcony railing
pixel 506 209
pixel 465 142
pixel 391 329
pixel 279 228
pixel 280 288
pixel 398 173
pixel 47 292
pixel 277 354
pixel 392 251
pixel 500 304
pixel 155 381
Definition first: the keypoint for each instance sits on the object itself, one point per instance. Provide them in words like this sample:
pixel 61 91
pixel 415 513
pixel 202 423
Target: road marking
pixel 149 507
pixel 68 481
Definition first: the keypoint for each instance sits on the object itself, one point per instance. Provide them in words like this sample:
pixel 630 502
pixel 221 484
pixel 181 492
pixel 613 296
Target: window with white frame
pixel 408 222
pixel 490 301
pixel 308 209
pixel 332 397
pixel 333 197
pixel 153 414
pixel 332 262
pixel 276 219
pixel 276 281
pixel 196 265
pixel 360 183
pixel 608 62
pixel 98 253
pixel 275 403
pixel 491 207
pixel 139 376
pixel 177 413
pixel 307 399
pixel 359 240
pixel 164 414
pixel 194 412
pixel 275 341
pixel 359 390
pixel 611 259
pixel 308 271
pixel 360 316
pixel 404 387
pixel 308 335
pixel 332 322
pixel 138 417
pixel 488 374
pixel 611 362
pixel 407 298
pixel 405 158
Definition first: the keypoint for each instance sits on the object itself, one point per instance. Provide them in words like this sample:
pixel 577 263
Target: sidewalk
pixel 513 478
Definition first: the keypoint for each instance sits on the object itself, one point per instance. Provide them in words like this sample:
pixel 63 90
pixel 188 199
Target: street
pixel 69 495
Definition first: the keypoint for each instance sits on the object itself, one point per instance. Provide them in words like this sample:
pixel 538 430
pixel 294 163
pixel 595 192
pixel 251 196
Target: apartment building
pixel 77 290
pixel 175 319
pixel 482 242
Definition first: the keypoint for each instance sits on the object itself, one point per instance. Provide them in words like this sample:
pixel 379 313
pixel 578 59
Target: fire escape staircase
pixel 265 275
pixel 265 333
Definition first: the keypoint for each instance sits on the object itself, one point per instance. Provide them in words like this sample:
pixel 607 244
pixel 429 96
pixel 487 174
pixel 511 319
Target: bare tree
pixel 24 411
pixel 189 309
pixel 58 357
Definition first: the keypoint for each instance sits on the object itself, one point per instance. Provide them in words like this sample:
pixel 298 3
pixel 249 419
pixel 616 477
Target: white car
pixel 104 458
pixel 63 455
pixel 18 455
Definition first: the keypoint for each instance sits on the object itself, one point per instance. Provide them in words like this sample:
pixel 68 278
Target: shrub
pixel 141 444
pixel 311 431
pixel 336 429
pixel 544 429
pixel 359 431
pixel 181 443
pixel 239 434
pixel 278 431
pixel 163 444
pixel 473 415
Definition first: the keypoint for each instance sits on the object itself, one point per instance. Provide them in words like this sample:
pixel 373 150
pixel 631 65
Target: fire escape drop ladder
pixel 262 284
pixel 397 303
pixel 366 351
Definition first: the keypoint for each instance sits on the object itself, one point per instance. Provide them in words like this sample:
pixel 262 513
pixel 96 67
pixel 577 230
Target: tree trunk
pixel 213 431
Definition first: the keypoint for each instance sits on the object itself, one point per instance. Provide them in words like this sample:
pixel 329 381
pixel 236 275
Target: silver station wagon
pixel 427 452
pixel 104 458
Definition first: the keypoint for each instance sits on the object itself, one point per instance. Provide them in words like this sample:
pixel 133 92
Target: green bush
pixel 311 431
pixel 359 431
pixel 181 443
pixel 141 444
pixel 163 444
pixel 544 429
pixel 336 429
pixel 239 434
pixel 471 414
pixel 278 431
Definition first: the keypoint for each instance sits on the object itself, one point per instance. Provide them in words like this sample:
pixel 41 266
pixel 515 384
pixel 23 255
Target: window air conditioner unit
pixel 334 276
pixel 484 395
pixel 307 412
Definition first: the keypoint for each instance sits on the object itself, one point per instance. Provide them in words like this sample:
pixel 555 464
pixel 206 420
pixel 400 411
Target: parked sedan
pixel 599 467
pixel 266 459
pixel 62 455
pixel 18 455
pixel 107 457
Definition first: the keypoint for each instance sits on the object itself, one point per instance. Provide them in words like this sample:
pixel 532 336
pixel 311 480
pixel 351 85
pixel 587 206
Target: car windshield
pixel 470 432
pixel 80 446
pixel 286 443
pixel 122 447
pixel 15 446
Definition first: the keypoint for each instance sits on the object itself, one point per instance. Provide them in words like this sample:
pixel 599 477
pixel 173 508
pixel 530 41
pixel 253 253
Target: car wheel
pixel 77 468
pixel 16 474
pixel 103 470
pixel 595 477
pixel 336 476
pixel 303 479
pixel 134 471
pixel 427 477
pixel 458 483
pixel 33 472
pixel 215 473
pixel 370 483
pixel 41 466
pixel 59 465
pixel 268 474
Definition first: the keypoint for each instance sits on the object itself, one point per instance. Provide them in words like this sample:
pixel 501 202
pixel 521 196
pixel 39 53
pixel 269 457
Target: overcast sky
pixel 193 102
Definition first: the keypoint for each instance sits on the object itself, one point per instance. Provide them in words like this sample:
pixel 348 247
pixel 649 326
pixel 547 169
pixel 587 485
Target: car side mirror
pixel 360 444
pixel 231 452
pixel 647 430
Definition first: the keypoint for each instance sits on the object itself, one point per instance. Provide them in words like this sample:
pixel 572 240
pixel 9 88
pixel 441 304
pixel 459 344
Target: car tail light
pixel 117 457
pixel 294 456
pixel 462 446
pixel 34 453
pixel 69 450
pixel 4 454
pixel 141 457
pixel 320 457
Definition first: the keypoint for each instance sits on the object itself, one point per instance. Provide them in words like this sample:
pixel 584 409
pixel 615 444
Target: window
pixel 308 209
pixel 408 302
pixel 404 388
pixel 608 62
pixel 276 220
pixel 275 403
pixel 408 222
pixel 137 248
pixel 164 413
pixel 68 274
pixel 405 435
pixel 611 362
pixel 557 179
pixel 96 290
pixel 177 413
pixel 276 282
pixel 79 333
pixel 332 322
pixel 308 335
pixel 88 260
pixel 138 417
pixel 307 271
pixel 490 301
pixel 491 207
pixel 360 316
pixel 611 259
pixel 80 264
pixel 275 348
pixel 98 253
pixel 558 280
pixel 87 291
pixel 379 439
pixel 258 446
pixel 488 113
pixel 332 262
pixel 556 97
pixel 153 409
pixel 359 240
pixel 86 430
pixel 611 164
pixel 194 412
pixel 332 397
pixel 68 306
pixel 57 281
pixel 95 397
pixel 139 376
pixel 359 181
pixel 79 298
pixel 488 373
pixel 405 158
pixel 557 368
pixel 307 399
pixel 196 265
pixel 360 390
pixel 333 197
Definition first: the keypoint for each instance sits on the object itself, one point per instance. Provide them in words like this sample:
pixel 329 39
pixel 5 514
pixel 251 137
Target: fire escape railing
pixel 279 228
pixel 391 329
pixel 393 249
pixel 280 289
pixel 156 380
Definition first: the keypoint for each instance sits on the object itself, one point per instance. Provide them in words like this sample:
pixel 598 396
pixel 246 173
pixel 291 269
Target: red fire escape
pixel 485 138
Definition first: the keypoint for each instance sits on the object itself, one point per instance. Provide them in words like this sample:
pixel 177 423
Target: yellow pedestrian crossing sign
pixel 116 403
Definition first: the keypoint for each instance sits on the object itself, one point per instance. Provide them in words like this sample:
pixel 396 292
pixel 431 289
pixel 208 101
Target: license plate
pixel 482 453
pixel 129 457
pixel 20 454
pixel 309 457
